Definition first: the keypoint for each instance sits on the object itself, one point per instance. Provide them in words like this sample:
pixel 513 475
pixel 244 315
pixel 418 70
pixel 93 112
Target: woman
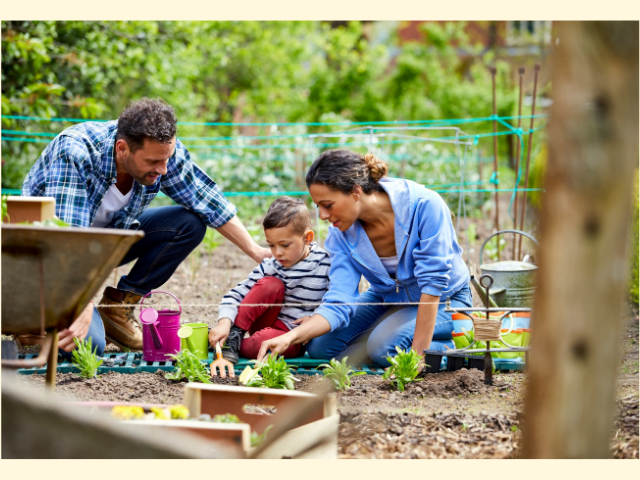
pixel 399 236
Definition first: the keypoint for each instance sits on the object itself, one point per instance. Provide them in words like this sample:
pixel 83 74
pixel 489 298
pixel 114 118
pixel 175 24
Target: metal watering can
pixel 159 331
pixel 513 281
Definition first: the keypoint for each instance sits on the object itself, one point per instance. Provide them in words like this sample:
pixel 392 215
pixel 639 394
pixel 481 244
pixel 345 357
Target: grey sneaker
pixel 231 352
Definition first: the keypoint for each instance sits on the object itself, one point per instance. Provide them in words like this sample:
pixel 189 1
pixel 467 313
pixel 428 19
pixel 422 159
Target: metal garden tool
pixel 221 364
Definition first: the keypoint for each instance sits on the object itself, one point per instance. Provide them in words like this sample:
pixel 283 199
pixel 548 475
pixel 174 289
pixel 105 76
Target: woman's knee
pixel 322 349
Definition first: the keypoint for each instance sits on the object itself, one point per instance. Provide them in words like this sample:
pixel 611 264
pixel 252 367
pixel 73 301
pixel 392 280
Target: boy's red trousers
pixel 262 322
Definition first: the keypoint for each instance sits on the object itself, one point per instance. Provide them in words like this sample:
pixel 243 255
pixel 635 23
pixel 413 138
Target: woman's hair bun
pixel 377 168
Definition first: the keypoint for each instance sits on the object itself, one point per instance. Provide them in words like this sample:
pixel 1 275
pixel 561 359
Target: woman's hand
pixel 78 329
pixel 220 332
pixel 277 345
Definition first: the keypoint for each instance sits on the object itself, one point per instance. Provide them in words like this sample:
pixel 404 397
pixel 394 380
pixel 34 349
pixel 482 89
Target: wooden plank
pixel 221 399
pixel 237 434
pixel 35 424
pixel 299 442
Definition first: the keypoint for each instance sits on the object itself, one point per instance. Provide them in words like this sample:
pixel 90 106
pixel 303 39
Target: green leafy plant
pixel 4 209
pixel 339 373
pixel 226 418
pixel 256 439
pixel 273 372
pixel 188 366
pixel 404 367
pixel 86 360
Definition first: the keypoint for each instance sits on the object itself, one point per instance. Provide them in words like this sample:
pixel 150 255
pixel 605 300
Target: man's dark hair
pixel 146 119
pixel 286 210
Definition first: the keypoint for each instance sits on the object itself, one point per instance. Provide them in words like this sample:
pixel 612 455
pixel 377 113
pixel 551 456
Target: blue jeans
pixel 170 235
pixel 383 328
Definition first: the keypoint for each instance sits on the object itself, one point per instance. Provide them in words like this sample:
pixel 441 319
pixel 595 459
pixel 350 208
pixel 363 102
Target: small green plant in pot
pixel 339 373
pixel 84 359
pixel 188 366
pixel 404 367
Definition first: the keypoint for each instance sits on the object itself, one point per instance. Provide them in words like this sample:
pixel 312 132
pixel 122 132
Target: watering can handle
pixel 504 231
pixel 160 291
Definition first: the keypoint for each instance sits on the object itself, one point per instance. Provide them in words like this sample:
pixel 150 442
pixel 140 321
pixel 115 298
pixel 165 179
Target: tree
pixel 582 279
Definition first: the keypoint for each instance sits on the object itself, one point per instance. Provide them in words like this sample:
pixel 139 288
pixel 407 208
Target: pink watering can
pixel 159 331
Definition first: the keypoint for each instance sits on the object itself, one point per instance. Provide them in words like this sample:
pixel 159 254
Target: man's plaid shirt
pixel 77 168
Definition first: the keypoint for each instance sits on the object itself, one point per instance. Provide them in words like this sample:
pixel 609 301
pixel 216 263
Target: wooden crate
pixel 30 209
pixel 321 422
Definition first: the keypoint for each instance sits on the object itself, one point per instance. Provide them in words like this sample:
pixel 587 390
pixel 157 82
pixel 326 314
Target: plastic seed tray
pixel 133 363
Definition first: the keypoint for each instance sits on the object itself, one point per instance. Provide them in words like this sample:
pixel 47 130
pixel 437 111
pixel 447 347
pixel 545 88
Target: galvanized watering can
pixel 513 282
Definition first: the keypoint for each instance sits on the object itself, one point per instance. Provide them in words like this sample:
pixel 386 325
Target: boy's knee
pixel 272 286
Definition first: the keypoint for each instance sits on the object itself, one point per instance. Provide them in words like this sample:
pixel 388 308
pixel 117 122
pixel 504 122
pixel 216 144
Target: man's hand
pixel 78 329
pixel 261 254
pixel 277 345
pixel 220 332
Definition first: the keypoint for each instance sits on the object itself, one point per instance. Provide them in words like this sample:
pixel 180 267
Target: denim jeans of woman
pixel 383 328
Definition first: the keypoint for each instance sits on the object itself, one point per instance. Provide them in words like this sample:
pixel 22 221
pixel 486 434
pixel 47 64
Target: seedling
pixel 339 373
pixel 188 366
pixel 86 360
pixel 256 439
pixel 275 373
pixel 4 209
pixel 404 367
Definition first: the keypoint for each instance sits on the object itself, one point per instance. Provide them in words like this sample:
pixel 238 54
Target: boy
pixel 297 273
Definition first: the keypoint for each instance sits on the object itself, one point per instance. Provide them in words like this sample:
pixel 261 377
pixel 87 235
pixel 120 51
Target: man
pixel 105 175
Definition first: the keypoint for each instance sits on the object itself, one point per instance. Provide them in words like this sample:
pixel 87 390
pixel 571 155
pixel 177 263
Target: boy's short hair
pixel 285 211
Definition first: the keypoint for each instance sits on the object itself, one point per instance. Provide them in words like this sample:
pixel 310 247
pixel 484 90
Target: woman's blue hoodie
pixel 429 257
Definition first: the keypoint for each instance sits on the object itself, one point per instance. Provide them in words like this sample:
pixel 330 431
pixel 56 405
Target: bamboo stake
pixel 495 151
pixel 526 178
pixel 515 203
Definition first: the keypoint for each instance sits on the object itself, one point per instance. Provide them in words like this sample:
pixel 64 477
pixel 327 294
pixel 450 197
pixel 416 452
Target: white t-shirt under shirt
pixel 390 264
pixel 111 203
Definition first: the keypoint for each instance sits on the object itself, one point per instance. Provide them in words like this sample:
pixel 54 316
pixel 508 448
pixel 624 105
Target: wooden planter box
pixel 30 209
pixel 322 420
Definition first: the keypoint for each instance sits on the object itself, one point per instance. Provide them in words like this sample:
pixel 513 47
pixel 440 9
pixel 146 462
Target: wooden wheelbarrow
pixel 49 275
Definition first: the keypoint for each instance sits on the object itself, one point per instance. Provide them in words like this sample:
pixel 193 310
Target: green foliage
pixel 404 367
pixel 339 373
pixel 633 282
pixel 272 372
pixel 256 439
pixel 188 366
pixel 226 418
pixel 86 360
pixel 4 209
pixel 253 71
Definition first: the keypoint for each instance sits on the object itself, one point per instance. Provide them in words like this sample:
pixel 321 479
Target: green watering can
pixel 195 338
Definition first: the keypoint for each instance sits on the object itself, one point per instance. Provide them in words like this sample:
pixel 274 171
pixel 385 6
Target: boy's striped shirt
pixel 305 282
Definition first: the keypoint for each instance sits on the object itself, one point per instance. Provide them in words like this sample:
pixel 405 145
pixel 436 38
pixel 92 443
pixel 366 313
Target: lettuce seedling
pixel 188 366
pixel 339 373
pixel 86 360
pixel 404 367
pixel 272 372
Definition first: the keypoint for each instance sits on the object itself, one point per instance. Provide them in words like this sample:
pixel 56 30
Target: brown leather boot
pixel 120 325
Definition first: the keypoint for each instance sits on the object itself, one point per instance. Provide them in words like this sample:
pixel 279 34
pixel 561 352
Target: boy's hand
pixel 220 332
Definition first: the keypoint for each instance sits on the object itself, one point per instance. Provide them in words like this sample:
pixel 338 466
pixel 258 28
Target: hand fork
pixel 221 364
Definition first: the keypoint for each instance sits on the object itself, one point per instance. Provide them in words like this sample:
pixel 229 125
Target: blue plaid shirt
pixel 77 168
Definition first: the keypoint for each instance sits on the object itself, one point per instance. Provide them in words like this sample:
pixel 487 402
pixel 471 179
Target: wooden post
pixel 582 278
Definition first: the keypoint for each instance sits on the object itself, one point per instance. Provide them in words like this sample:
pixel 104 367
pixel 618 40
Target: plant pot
pixel 476 362
pixel 433 361
pixel 454 363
